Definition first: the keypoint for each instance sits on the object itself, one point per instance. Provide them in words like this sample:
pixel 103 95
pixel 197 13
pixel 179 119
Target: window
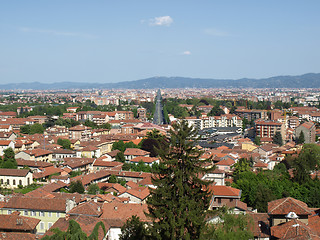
pixel 26 213
pixel 9 211
pixel 8 181
pixel 20 182
pixel 28 181
pixel 49 214
pixel 41 214
pixel 1 181
pixel 58 214
pixel 49 224
pixel 33 213
pixel 41 225
pixel 14 182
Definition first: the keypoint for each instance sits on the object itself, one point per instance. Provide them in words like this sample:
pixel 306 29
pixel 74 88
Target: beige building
pixel 47 210
pixel 4 144
pixel 36 155
pixel 269 128
pixel 309 131
pixel 12 178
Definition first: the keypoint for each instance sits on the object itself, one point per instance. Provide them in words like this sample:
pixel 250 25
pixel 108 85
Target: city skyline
pixel 123 41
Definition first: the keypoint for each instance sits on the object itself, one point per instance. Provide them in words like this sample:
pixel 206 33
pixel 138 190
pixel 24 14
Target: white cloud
pixel 57 33
pixel 215 32
pixel 186 53
pixel 161 21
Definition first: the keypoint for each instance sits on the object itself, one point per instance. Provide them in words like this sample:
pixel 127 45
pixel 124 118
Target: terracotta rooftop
pixel 47 172
pixel 112 164
pixel 15 222
pixel 225 191
pixel 226 162
pixel 41 204
pixel 293 229
pixel 33 164
pixel 14 172
pixel 90 208
pixel 135 152
pixel 141 194
pixel 121 211
pixel 17 235
pixel 144 159
pixel 78 162
pixel 285 205
pixel 113 153
pixel 5 142
pixel 260 227
pixel 307 125
pixel 38 152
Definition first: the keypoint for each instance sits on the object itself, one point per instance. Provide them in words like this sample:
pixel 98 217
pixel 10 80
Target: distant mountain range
pixel 310 80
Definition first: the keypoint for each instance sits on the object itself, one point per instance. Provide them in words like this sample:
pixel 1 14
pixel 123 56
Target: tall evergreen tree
pixel 178 204
pixel 301 138
pixel 277 139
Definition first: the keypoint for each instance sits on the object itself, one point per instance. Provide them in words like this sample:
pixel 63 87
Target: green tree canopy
pixel 121 146
pixel 9 160
pixel 93 189
pixel 277 139
pixel 133 229
pixel 301 138
pixel 257 141
pixel 243 165
pixel 76 186
pixel 74 232
pixel 120 157
pixel 230 227
pixel 154 141
pixel 113 179
pixel 307 161
pixel 65 143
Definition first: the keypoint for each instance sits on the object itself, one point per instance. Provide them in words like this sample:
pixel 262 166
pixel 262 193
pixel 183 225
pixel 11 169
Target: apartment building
pixel 269 128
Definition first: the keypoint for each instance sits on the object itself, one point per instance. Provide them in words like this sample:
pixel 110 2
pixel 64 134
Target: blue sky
pixel 113 41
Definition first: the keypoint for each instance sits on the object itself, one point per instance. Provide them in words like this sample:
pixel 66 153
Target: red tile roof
pixel 285 205
pixel 225 191
pixel 123 211
pixel 33 164
pixel 135 152
pixel 5 142
pixel 141 194
pixel 14 172
pixel 293 229
pixel 144 159
pixel 43 204
pixel 307 125
pixel 38 152
pixel 17 235
pixel 47 172
pixel 15 222
pixel 90 208
pixel 226 162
